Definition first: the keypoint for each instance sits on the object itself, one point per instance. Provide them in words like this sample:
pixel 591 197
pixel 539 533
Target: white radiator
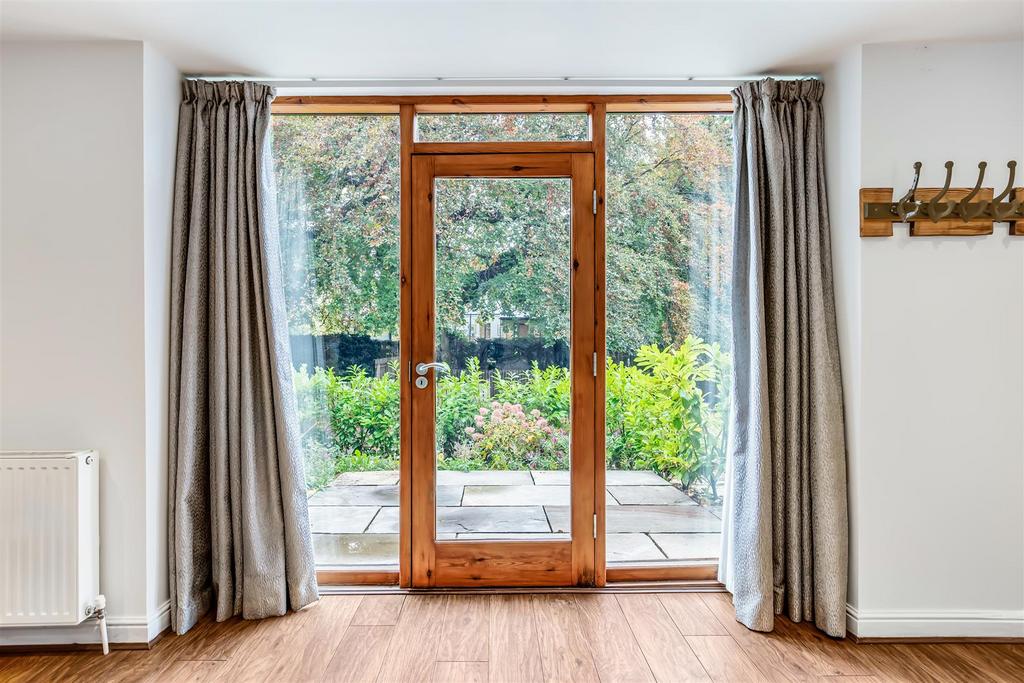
pixel 49 537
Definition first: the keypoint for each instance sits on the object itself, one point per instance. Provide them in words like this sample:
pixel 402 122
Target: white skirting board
pixel 935 623
pixel 121 630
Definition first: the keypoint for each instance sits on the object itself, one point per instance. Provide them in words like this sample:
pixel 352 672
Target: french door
pixel 464 542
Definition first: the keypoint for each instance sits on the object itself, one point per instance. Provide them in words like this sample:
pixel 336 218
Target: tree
pixel 503 245
pixel 669 227
pixel 338 206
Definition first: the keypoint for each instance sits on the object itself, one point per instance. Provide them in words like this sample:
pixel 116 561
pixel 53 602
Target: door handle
pixel 422 368
pixel 422 382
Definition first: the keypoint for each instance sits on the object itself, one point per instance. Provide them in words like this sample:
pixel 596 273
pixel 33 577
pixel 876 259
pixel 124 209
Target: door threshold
pixel 386 578
pixel 636 587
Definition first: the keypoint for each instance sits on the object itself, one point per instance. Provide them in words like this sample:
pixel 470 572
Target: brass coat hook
pixel 907 203
pixel 965 209
pixel 1000 211
pixel 935 213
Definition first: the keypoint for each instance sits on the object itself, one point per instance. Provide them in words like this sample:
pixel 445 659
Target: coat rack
pixel 945 210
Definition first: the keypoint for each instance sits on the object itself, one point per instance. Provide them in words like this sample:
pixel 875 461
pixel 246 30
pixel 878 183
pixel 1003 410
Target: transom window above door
pixel 503 127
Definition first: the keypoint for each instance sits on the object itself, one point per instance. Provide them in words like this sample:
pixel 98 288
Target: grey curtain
pixel 238 524
pixel 785 527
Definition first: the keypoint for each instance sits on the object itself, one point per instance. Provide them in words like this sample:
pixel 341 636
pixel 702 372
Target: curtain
pixel 785 525
pixel 238 526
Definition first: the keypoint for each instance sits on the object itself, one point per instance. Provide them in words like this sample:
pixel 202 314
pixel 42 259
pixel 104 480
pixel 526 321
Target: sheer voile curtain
pixel 785 529
pixel 238 523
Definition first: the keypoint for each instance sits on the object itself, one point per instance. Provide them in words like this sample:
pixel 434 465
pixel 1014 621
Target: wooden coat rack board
pixel 937 211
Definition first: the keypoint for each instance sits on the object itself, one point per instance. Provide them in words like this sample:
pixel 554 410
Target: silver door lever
pixel 422 368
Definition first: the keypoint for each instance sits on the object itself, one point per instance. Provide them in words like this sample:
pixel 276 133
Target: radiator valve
pixel 98 610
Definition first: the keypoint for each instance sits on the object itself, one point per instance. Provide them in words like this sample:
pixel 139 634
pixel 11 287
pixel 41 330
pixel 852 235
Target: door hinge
pixel 595 363
pixel 595 526
pixel 595 202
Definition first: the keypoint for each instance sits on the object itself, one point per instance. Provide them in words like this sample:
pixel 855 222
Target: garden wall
pixel 341 351
pixel 506 355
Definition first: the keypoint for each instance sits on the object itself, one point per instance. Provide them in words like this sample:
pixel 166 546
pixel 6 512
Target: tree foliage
pixel 503 246
pixel 338 197
pixel 669 223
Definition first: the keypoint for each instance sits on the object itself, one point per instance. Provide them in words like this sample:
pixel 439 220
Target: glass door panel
pixel 503 260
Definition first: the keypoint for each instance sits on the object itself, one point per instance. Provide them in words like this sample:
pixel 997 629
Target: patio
pixel 355 519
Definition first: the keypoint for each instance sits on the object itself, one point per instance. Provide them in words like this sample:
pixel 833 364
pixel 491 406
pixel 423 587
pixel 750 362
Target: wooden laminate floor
pixel 522 637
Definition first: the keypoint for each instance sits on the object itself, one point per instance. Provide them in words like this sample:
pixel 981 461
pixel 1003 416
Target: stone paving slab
pixel 516 495
pixel 355 549
pixel 631 548
pixel 484 478
pixel 633 478
pixel 649 495
pixel 386 522
pixel 526 519
pixel 386 496
pixel 551 478
pixel 340 519
pixel 492 519
pixel 611 478
pixel 689 546
pixel 520 495
pixel 645 518
pixel 379 478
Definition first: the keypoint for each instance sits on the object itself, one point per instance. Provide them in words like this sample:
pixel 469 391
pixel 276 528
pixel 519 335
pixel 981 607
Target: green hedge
pixel 666 411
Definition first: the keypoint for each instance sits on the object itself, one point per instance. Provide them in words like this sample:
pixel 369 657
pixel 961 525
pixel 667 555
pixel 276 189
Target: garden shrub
pixel 668 412
pixel 504 436
pixel 545 390
pixel 459 397
pixel 364 414
pixel 321 453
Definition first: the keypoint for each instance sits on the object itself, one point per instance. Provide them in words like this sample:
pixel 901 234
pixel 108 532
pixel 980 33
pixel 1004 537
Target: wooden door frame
pixel 454 563
pixel 598 106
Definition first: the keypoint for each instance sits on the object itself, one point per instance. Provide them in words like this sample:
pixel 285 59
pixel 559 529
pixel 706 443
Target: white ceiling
pixel 492 40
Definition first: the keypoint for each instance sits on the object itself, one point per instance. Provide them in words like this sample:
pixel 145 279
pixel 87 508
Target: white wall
pixel 937 403
pixel 85 220
pixel 161 95
pixel 842 168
